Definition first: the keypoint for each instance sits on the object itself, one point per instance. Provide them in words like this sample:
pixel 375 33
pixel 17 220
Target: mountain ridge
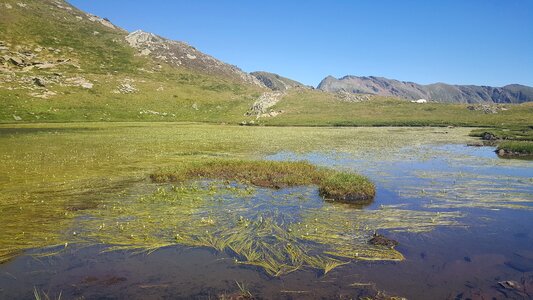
pixel 181 54
pixel 277 82
pixel 438 92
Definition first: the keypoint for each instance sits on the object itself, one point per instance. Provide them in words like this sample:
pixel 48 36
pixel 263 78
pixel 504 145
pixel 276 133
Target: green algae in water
pixel 49 179
pixel 279 231
pixel 466 189
pixel 258 227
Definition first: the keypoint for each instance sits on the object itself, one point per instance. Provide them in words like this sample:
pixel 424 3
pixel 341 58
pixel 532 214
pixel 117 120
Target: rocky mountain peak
pixel 439 92
pixel 180 54
pixel 141 38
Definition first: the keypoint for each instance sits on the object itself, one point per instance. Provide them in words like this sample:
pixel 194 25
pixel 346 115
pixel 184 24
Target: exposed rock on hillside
pixel 440 92
pixel 17 63
pixel 487 109
pixel 102 21
pixel 180 54
pixel 80 82
pixel 261 107
pixel 278 83
pixel 126 87
pixel 352 98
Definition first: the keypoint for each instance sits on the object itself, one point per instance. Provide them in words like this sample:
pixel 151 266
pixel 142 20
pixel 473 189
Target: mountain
pixel 180 54
pixel 438 92
pixel 58 63
pixel 276 82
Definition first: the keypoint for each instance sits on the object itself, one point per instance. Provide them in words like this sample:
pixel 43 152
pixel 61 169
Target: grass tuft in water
pixel 339 186
pixel 516 148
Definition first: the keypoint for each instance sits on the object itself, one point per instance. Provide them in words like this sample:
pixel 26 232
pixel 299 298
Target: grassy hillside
pixel 79 47
pixel 312 107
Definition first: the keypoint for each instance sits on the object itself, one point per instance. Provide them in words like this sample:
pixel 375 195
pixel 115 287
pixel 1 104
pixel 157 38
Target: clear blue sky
pixel 484 42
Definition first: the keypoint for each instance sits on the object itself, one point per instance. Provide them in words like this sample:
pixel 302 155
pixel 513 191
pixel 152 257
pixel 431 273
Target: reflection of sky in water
pixel 456 179
pixel 442 177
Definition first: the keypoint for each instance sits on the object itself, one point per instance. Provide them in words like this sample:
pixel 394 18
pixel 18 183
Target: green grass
pixel 518 133
pixel 517 147
pixel 333 185
pixel 316 108
pixel 347 187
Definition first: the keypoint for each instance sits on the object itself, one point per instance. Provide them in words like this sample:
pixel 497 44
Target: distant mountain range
pixel 438 92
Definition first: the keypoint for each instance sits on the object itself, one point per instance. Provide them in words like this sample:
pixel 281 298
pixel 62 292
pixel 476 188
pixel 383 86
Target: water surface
pixel 461 215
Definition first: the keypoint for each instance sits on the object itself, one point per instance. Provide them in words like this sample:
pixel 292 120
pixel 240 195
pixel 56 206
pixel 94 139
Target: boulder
pixel 16 61
pixel 125 88
pixel 487 136
pixel 38 81
pixel 79 81
pixel 45 66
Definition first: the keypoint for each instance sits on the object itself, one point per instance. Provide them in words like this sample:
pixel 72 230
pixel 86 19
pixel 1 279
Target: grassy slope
pixel 318 108
pixel 106 60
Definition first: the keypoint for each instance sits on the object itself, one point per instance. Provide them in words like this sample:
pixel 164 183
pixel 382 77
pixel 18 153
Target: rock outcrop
pixel 439 92
pixel 262 106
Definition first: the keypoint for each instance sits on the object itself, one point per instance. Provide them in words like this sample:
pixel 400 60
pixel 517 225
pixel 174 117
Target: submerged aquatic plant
pixel 279 231
pixel 298 231
pixel 245 293
pixel 467 189
pixel 41 295
pixel 79 190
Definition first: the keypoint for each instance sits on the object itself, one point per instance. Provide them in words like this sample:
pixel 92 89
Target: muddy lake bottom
pixel 463 217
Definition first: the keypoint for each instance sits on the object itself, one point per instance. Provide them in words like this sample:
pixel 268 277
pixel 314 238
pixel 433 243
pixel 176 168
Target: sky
pixel 482 42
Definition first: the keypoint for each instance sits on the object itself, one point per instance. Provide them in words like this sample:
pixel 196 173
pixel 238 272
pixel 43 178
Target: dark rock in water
pixel 467 259
pixel 488 136
pixel 513 289
pixel 358 200
pixel 380 240
pixel 503 153
pixel 510 285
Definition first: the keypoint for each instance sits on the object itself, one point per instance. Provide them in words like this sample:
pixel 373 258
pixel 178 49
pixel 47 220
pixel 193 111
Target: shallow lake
pixel 80 217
